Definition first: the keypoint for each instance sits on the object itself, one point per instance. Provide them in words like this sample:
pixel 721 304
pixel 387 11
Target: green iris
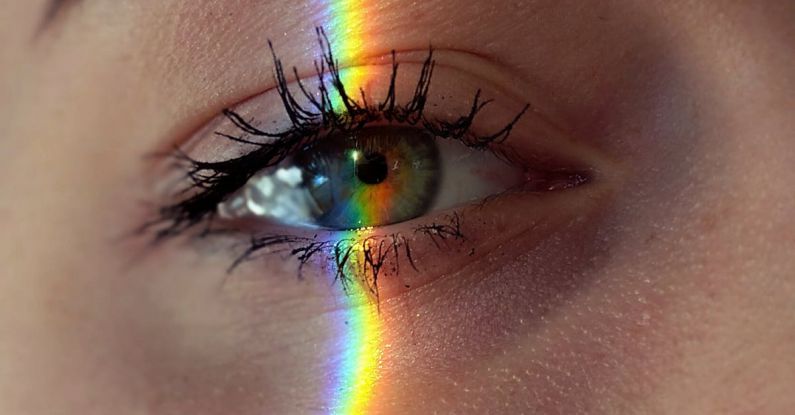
pixel 377 176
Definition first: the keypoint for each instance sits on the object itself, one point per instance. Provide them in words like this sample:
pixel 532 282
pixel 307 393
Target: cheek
pixel 209 342
pixel 540 324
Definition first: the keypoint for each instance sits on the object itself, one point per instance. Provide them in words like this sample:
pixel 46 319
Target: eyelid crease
pixel 464 61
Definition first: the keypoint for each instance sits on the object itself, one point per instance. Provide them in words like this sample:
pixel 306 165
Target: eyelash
pixel 376 251
pixel 212 182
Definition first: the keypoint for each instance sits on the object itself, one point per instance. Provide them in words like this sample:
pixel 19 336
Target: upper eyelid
pixel 485 124
pixel 264 110
pixel 504 78
pixel 269 120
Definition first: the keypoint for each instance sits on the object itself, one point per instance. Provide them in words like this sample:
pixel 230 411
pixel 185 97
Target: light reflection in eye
pixel 377 176
pixel 279 194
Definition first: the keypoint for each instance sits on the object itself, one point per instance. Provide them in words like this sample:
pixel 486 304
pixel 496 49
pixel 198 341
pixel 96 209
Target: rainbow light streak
pixel 357 356
pixel 359 350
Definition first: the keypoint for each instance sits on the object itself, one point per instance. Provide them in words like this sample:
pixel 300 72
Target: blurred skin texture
pixel 674 294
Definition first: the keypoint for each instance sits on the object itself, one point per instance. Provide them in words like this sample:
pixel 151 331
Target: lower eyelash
pixel 375 253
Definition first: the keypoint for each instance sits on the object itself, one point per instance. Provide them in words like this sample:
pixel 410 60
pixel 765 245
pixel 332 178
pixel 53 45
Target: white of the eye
pixel 292 176
pixel 233 208
pixel 264 186
pixel 276 195
pixel 468 175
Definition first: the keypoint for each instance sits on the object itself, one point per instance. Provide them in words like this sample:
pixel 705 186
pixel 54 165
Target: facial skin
pixel 670 291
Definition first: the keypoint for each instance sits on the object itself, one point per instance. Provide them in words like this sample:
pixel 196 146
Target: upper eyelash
pixel 213 181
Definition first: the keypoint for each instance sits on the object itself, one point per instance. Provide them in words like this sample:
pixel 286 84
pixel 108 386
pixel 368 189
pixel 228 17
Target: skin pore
pixel 665 287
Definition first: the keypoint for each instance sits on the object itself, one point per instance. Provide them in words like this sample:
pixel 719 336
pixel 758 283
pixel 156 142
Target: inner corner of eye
pixel 376 176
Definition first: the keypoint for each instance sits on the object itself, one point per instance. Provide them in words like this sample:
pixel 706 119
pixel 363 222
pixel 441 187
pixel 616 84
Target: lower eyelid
pixel 475 234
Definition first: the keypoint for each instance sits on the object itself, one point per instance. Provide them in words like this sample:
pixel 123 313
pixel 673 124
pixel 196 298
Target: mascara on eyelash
pixel 374 253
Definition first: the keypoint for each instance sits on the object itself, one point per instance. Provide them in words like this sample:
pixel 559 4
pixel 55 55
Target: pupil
pixel 372 168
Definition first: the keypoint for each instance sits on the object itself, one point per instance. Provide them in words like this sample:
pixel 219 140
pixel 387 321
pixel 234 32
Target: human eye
pixel 372 171
pixel 371 177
